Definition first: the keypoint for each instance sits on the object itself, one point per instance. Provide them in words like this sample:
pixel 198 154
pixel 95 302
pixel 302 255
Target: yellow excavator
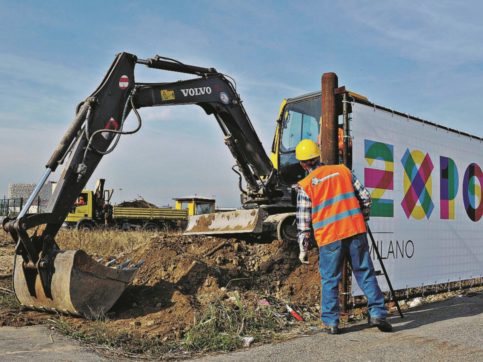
pixel 70 281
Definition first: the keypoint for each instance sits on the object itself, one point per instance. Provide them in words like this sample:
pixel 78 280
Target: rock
pixel 150 323
pixel 247 341
pixel 415 302
pixel 136 324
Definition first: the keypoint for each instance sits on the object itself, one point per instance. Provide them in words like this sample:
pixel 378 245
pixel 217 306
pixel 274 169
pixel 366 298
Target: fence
pixel 11 207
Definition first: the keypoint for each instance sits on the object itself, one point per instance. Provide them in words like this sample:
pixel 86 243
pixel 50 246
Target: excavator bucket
pixel 230 222
pixel 80 286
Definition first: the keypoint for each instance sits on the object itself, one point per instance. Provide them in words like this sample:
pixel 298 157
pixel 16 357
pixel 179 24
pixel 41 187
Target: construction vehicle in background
pixel 46 277
pixel 93 208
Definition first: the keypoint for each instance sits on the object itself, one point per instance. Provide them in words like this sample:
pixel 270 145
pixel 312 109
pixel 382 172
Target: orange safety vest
pixel 336 212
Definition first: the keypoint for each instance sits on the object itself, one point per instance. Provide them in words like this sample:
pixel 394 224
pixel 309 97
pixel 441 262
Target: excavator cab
pixel 299 120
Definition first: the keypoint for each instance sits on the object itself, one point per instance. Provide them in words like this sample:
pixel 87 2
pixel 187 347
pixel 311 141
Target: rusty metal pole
pixel 329 143
pixel 328 130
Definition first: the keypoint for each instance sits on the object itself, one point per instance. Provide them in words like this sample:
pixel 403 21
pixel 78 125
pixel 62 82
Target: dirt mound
pixel 138 203
pixel 182 275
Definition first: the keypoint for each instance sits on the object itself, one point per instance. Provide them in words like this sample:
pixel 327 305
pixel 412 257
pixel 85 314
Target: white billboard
pixel 426 184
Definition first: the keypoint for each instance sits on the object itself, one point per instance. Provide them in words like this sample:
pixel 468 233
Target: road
pixel 451 330
pixel 445 331
pixel 39 343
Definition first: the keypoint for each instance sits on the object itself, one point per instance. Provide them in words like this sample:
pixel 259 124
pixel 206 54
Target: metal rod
pixel 172 65
pixel 69 136
pixel 345 117
pixel 384 270
pixel 344 286
pixel 34 194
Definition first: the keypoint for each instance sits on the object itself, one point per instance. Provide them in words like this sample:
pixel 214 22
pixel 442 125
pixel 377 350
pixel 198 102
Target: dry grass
pixel 97 242
pixel 110 342
pixel 103 242
pixel 8 299
pixel 221 327
pixel 224 323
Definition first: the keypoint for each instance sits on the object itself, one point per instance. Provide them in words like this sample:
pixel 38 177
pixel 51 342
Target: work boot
pixel 331 329
pixel 381 323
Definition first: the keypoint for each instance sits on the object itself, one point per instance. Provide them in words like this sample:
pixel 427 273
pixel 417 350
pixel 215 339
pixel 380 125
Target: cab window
pixel 301 121
pixel 204 208
pixel 81 200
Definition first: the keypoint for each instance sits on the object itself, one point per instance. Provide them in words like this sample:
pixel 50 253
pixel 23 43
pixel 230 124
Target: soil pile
pixel 182 275
pixel 138 203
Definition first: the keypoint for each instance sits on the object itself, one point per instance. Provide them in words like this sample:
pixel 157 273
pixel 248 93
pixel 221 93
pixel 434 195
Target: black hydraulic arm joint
pixel 69 136
pixel 175 66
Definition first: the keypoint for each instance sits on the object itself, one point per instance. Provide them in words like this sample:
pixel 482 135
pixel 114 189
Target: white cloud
pixel 39 72
pixel 443 33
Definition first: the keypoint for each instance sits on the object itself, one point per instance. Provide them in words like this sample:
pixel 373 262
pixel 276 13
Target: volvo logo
pixel 196 91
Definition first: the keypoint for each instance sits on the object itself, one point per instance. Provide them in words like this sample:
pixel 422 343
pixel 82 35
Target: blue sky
pixel 425 60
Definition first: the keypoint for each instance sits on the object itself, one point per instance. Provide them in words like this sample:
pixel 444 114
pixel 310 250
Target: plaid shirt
pixel 304 210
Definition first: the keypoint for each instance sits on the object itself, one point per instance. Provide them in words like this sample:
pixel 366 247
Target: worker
pixel 332 206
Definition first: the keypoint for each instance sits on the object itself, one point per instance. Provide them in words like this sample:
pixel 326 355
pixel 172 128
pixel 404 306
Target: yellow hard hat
pixel 306 150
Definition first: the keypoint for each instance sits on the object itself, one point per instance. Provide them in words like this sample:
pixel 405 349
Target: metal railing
pixel 12 207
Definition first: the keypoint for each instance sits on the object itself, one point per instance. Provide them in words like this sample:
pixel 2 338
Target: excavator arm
pixel 69 281
pixel 216 95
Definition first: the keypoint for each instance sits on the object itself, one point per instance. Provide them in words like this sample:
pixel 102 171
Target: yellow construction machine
pixel 69 281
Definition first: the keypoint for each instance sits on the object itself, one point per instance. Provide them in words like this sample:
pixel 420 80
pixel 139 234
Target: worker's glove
pixel 304 257
pixel 303 246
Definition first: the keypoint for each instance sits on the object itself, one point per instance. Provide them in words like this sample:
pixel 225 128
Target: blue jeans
pixel 331 257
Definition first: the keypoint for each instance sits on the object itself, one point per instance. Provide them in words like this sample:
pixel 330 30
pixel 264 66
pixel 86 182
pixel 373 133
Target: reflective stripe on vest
pixel 331 201
pixel 336 213
pixel 335 218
